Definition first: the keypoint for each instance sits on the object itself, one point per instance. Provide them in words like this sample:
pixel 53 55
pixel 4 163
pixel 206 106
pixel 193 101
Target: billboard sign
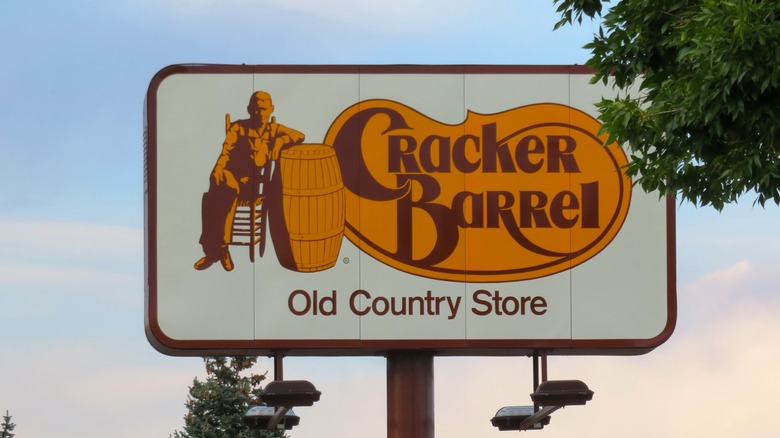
pixel 352 210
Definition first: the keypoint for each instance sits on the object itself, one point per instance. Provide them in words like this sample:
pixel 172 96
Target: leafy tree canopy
pixel 698 92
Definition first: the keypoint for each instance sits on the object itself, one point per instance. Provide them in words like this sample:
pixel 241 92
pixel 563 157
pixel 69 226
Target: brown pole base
pixel 410 395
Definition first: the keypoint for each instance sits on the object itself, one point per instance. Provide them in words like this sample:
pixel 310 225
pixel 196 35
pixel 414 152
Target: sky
pixel 74 360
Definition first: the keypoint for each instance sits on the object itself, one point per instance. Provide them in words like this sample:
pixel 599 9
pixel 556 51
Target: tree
pixel 8 427
pixel 216 406
pixel 704 122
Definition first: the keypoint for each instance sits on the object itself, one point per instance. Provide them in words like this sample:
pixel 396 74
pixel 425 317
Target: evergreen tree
pixel 5 432
pixel 216 406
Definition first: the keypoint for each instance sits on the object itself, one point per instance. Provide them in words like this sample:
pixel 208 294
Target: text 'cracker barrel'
pixel 314 205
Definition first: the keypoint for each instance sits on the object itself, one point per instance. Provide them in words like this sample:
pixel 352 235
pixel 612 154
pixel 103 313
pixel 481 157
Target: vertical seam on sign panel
pixel 465 239
pixel 359 212
pixel 571 272
pixel 252 246
pixel 572 230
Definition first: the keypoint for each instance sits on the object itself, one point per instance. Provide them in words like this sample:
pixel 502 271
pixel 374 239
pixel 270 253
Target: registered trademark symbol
pixel 346 260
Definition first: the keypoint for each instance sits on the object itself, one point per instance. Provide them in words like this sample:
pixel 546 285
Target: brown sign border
pixel 305 347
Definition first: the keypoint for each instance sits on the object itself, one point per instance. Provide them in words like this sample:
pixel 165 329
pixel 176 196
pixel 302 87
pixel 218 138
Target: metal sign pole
pixel 278 365
pixel 410 395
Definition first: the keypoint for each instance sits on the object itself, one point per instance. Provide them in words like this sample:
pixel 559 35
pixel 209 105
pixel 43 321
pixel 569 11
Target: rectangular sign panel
pixel 352 210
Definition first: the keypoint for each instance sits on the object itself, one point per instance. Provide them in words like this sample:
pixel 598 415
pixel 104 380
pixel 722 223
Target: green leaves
pixel 704 121
pixel 573 9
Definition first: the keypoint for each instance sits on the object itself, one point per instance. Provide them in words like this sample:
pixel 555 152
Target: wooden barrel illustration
pixel 314 205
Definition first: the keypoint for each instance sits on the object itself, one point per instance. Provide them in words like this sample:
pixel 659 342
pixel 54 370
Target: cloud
pixel 60 280
pixel 718 286
pixel 88 389
pixel 402 12
pixel 62 257
pixel 65 241
pixel 353 401
pixel 380 16
pixel 713 382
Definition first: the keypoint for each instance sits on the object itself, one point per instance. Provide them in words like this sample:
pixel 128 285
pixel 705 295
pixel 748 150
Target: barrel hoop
pixel 315 191
pixel 312 237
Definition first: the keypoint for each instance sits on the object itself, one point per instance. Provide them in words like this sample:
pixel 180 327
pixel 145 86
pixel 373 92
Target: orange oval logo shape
pixel 521 194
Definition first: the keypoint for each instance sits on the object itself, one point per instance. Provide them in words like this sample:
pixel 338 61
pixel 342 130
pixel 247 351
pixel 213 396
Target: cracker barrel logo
pixel 516 195
pixel 265 174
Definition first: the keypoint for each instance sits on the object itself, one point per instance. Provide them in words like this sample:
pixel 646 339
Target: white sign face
pixel 352 210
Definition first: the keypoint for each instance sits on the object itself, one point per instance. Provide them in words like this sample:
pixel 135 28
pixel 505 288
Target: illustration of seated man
pixel 248 146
